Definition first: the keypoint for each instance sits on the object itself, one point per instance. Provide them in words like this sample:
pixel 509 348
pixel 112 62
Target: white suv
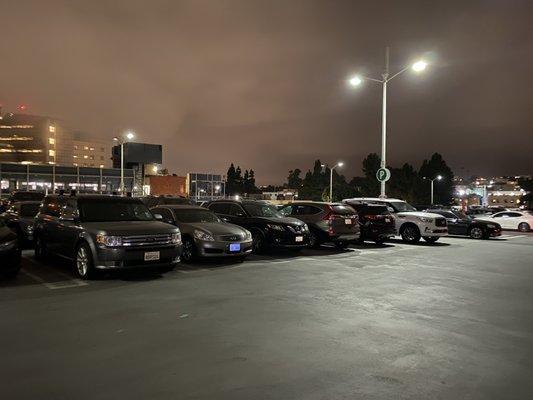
pixel 411 224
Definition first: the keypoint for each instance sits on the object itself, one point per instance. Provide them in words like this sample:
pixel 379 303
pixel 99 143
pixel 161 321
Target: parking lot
pixel 429 321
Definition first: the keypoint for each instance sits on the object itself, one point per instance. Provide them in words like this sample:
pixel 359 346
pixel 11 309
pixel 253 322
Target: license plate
pixel 151 256
pixel 235 247
pixel 348 221
pixel 299 239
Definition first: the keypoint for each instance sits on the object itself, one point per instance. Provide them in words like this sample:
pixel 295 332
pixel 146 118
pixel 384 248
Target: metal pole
pixel 384 122
pixel 122 168
pixel 28 177
pixel 331 184
pixel 432 191
pixel 53 179
pixel 100 188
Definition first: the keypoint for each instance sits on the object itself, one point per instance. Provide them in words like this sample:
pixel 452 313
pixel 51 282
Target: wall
pixel 167 185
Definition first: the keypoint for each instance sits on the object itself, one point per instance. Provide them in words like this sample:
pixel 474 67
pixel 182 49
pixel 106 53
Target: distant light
pixel 217 187
pixel 237 197
pixel 419 66
pixel 115 139
pixel 22 107
pixel 130 135
pixel 439 177
pixel 154 168
pixel 355 81
pixel 340 163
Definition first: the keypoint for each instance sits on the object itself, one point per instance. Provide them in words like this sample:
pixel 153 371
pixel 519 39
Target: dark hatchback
pixel 328 222
pixel 376 221
pixel 464 225
pixel 104 233
pixel 9 252
pixel 20 217
pixel 268 227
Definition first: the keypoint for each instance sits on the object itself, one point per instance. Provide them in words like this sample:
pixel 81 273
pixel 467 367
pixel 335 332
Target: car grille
pixel 146 240
pixel 231 238
pixel 296 228
pixel 440 221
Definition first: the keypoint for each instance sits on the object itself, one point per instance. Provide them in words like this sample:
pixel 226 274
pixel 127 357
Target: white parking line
pixel 512 236
pixel 68 283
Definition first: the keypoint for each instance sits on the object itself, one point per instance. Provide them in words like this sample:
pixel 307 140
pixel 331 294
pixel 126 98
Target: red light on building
pixel 22 107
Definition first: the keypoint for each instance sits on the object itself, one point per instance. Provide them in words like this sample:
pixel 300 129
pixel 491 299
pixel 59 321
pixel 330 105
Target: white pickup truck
pixel 411 224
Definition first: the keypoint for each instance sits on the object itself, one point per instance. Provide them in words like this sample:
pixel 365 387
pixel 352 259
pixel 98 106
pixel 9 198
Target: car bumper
pixel 288 241
pixel 222 249
pixel 379 233
pixel 494 232
pixel 346 237
pixel 434 231
pixel 120 258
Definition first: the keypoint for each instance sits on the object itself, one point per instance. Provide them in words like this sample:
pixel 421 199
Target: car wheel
pixel 313 240
pixel 410 234
pixel 188 252
pixel 40 248
pixel 431 239
pixel 258 241
pixel 84 265
pixel 476 233
pixel 524 227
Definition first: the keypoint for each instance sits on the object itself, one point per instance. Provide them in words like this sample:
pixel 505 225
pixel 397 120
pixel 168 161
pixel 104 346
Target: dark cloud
pixel 262 83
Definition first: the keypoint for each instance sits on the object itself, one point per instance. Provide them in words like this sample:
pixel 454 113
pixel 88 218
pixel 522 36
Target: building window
pixel 75 156
pixel 92 149
pixel 101 158
pixel 91 157
pixel 102 149
pixel 51 153
pixel 51 140
pixel 75 147
pixel 75 164
pixel 101 165
pixel 85 147
pixel 86 156
pixel 51 129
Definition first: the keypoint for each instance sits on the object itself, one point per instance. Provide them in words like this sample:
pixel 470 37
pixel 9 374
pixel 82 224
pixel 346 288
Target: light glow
pixel 419 66
pixel 355 81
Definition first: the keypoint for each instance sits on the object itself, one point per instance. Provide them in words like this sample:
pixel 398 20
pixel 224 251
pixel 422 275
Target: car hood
pixel 419 214
pixel 129 228
pixel 278 221
pixel 485 222
pixel 214 228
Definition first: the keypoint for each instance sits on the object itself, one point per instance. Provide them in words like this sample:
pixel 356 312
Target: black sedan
pixel 9 252
pixel 20 217
pixel 464 225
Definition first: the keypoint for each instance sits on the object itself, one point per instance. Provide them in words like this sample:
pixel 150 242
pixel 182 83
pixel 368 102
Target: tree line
pixel 241 183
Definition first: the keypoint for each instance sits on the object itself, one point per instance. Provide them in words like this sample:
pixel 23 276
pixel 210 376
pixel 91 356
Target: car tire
pixel 476 233
pixel 410 233
pixel 431 239
pixel 524 227
pixel 83 262
pixel 258 242
pixel 188 252
pixel 40 248
pixel 314 241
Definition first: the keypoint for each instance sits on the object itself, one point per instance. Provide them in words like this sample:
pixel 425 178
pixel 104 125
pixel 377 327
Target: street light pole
pixel 418 66
pixel 339 164
pixel 437 178
pixel 121 141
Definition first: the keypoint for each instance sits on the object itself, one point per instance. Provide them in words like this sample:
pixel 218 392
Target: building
pixel 204 186
pixel 43 140
pixel 46 177
pixel 166 185
pixel 280 196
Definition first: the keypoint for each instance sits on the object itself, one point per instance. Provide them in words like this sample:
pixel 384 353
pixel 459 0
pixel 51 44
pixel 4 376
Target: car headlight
pixel 276 227
pixel 426 219
pixel 8 245
pixel 491 226
pixel 201 235
pixel 109 241
pixel 247 234
pixel 305 228
pixel 175 238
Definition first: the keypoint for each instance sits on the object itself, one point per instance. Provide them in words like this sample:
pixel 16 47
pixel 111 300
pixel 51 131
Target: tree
pixel 294 181
pixel 443 189
pixel 231 180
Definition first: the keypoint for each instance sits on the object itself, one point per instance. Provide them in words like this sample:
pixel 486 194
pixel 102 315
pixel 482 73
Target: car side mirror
pixel 159 217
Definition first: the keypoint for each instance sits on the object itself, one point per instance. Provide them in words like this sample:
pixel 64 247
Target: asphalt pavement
pixel 453 320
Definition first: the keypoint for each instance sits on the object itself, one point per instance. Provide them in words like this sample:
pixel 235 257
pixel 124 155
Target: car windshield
pixel 195 216
pixel 401 206
pixel 262 210
pixel 461 215
pixel 29 210
pixel 111 210
pixel 375 210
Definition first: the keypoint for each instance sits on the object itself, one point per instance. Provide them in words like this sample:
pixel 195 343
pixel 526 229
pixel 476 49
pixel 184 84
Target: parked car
pixel 411 224
pixel 203 234
pixel 464 225
pixel 328 222
pixel 9 252
pixel 376 221
pixel 23 195
pixel 521 220
pixel 268 227
pixel 20 217
pixel 154 201
pixel 102 232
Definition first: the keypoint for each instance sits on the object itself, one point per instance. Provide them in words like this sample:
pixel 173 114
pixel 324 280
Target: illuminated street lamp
pixel 437 178
pixel 121 140
pixel 357 80
pixel 339 164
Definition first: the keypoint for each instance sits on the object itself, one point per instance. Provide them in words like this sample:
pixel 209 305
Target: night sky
pixel 263 83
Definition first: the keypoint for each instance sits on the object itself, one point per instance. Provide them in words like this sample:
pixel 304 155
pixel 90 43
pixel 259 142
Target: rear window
pixel 375 210
pixel 27 196
pixel 29 210
pixel 343 210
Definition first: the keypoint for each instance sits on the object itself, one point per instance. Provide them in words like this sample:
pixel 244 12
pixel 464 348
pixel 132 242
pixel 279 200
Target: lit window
pixel 75 164
pixel 75 156
pixel 85 147
pixel 101 165
pixel 51 153
pixel 91 157
pixel 92 149
pixel 52 140
pixel 86 156
pixel 51 129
